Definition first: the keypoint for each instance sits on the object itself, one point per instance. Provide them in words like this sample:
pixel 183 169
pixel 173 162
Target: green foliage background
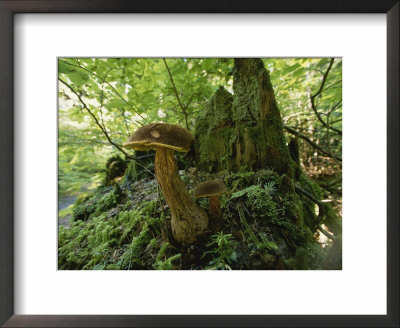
pixel 123 225
pixel 123 93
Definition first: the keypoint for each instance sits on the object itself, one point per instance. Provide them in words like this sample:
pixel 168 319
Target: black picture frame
pixel 11 7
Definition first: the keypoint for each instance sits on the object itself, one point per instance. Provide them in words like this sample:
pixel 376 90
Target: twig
pixel 102 101
pixel 96 120
pixel 117 93
pixel 145 168
pixel 336 106
pixel 189 101
pixel 106 133
pixel 331 85
pixel 102 94
pixel 302 136
pixel 328 137
pixel 312 98
pixel 287 117
pixel 325 76
pixel 177 96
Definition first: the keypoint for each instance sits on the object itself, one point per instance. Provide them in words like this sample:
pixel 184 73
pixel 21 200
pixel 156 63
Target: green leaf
pixel 298 72
pixel 65 68
pixel 289 69
pixel 116 103
pixel 271 245
pixel 78 78
pixel 99 267
pixel 94 86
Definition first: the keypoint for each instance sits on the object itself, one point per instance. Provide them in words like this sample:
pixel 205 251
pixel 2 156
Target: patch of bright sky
pixel 161 113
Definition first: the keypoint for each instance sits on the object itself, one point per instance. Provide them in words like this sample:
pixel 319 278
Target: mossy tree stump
pixel 244 129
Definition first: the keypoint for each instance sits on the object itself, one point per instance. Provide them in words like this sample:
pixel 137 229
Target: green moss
pixel 331 219
pixel 268 223
pixel 293 147
pixel 245 129
pixel 163 262
pixel 213 132
pixel 100 242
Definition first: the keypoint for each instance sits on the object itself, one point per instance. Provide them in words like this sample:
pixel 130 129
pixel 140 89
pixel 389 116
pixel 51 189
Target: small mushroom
pixel 212 189
pixel 188 220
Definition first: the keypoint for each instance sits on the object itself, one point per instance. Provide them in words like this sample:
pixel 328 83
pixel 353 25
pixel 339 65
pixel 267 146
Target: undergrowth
pixel 125 226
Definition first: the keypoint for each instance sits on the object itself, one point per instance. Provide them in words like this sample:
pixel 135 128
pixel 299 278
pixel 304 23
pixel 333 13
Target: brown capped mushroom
pixel 212 189
pixel 188 219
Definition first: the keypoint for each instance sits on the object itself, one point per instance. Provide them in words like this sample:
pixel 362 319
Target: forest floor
pixel 126 226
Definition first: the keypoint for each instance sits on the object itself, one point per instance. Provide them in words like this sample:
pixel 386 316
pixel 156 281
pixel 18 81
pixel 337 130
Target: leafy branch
pixel 184 108
pixel 102 128
pixel 102 99
pixel 320 90
pixel 110 85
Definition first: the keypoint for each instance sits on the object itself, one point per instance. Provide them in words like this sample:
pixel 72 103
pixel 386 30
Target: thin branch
pixel 189 101
pixel 312 98
pixel 287 117
pixel 337 105
pixel 176 94
pixel 331 85
pixel 339 120
pixel 328 137
pixel 332 109
pixel 105 131
pixel 117 93
pixel 102 102
pixel 96 120
pixel 325 76
pixel 102 97
pixel 106 134
pixel 302 136
pixel 79 143
pixel 313 69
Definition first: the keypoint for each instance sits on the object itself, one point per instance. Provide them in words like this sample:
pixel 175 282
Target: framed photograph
pixel 214 164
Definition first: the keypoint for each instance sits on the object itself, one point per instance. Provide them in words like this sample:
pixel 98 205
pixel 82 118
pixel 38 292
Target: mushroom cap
pixel 209 188
pixel 160 134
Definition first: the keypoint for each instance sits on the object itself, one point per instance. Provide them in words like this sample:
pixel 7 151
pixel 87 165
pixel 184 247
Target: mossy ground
pixel 127 226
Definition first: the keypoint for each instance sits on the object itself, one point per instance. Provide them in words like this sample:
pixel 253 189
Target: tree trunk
pixel 246 129
pixel 213 132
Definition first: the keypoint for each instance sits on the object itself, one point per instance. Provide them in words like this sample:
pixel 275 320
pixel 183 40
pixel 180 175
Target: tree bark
pixel 246 129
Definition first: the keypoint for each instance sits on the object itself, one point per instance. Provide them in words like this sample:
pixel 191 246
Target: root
pixel 321 212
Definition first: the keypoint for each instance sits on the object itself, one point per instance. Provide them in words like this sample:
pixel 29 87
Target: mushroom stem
pixel 188 220
pixel 215 211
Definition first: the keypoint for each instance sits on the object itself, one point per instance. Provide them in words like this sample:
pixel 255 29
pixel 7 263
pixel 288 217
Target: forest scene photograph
pixel 199 163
